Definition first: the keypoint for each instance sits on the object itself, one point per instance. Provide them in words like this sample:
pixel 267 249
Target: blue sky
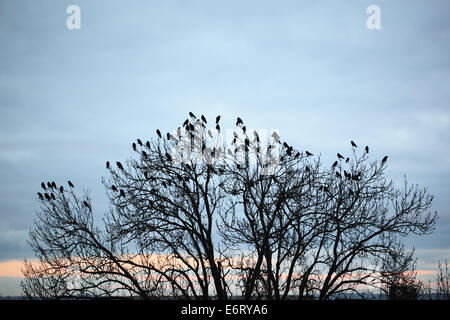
pixel 72 99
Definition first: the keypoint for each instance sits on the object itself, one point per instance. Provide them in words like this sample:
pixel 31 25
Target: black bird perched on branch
pixel 347 175
pixel 367 149
pixel 122 193
pixel 185 123
pixel 217 119
pixel 43 185
pixel 49 185
pixel 239 121
pixel 47 196
pixel 114 188
pixel 61 189
pixel 168 156
pixel 192 115
pixel 297 155
pixel 70 184
pixel 86 204
pixel 353 144
pixel 347 160
pixel 334 164
pixel 107 164
pixel 54 185
pixel 53 196
pixel 134 146
pixel 159 133
pixel 40 196
pixel 384 159
pixel 147 144
pixel 340 156
pixel 119 165
pixel 144 154
pixel 285 145
pixel 168 136
pixel 338 175
pixel 308 154
pixel 203 119
pixel 139 142
pixel 217 127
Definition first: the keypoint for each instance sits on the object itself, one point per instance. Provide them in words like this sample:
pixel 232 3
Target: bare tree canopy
pixel 195 217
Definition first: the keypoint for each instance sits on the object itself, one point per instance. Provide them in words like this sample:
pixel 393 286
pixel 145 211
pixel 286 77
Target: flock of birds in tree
pixel 51 186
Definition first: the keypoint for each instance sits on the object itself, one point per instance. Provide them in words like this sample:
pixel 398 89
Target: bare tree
pixel 443 281
pixel 195 217
pixel 398 275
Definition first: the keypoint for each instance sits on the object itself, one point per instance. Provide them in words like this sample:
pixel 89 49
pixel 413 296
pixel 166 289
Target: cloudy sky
pixel 72 99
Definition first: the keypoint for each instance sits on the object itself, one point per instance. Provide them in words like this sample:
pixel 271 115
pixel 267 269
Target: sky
pixel 72 99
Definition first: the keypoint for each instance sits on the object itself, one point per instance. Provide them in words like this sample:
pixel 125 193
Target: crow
pixel 70 184
pixel 353 144
pixel 54 185
pixel 107 164
pixel 40 196
pixel 285 145
pixel 347 160
pixel 203 119
pixel 192 115
pixel 244 128
pixel 122 193
pixel 147 144
pixel 134 146
pixel 47 196
pixel 114 188
pixel 168 156
pixel 53 196
pixel 43 185
pixel 340 156
pixel 297 155
pixel 239 121
pixel 144 154
pixel 338 175
pixel 185 123
pixel 367 149
pixel 384 159
pixel 334 164
pixel 139 142
pixel 61 189
pixel 119 165
pixel 86 204
pixel 217 119
pixel 159 133
pixel 168 136
pixel 49 185
pixel 308 153
pixel 217 127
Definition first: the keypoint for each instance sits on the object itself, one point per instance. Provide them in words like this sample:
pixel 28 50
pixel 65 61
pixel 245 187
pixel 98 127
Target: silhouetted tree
pixel 398 275
pixel 193 216
pixel 443 281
